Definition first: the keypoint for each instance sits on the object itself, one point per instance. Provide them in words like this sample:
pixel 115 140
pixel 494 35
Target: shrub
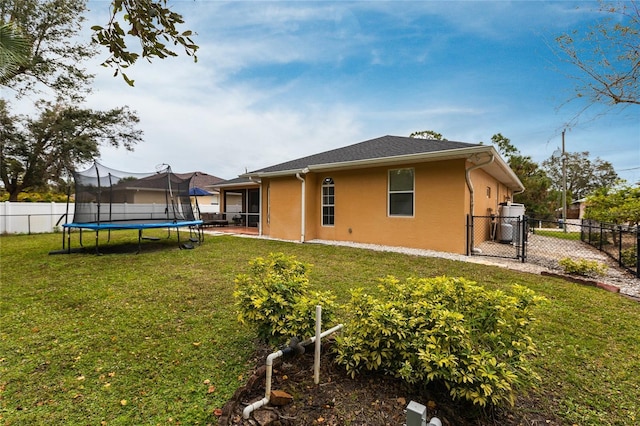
pixel 598 238
pixel 275 298
pixel 443 329
pixel 36 197
pixel 629 256
pixel 582 267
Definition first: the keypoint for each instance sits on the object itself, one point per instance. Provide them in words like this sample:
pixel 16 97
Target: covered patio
pixel 232 229
pixel 240 205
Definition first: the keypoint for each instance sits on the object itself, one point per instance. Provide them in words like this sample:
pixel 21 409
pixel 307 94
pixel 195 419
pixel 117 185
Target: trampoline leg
pixel 195 236
pixel 97 251
pixel 139 239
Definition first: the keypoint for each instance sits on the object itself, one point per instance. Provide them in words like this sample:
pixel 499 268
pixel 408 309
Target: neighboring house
pixel 203 187
pixel 576 209
pixel 391 190
pixel 152 190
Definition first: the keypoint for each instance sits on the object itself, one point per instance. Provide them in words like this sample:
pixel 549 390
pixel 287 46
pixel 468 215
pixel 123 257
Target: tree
pixel 152 23
pixel 537 198
pixel 606 56
pixel 583 175
pixel 40 51
pixel 427 134
pixel 615 205
pixel 15 51
pixel 52 27
pixel 504 145
pixel 34 153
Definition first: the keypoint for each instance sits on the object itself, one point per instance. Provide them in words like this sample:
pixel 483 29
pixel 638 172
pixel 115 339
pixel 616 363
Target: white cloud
pixel 246 105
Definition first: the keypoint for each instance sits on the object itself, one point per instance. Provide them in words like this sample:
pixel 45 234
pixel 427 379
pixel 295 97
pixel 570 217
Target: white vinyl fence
pixel 32 218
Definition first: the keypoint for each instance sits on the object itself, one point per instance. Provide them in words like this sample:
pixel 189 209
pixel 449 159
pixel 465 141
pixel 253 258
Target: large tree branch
pixel 607 56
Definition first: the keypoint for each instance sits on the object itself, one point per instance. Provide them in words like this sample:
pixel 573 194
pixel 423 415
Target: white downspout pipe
pixel 467 176
pixel 302 205
pixel 513 194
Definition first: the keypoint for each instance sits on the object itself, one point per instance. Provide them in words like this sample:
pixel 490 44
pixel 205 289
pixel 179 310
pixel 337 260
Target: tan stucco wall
pixel 148 197
pixel 132 196
pixel 439 221
pixel 281 214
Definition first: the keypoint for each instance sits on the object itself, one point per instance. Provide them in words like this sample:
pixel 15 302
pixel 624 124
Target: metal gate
pixel 498 236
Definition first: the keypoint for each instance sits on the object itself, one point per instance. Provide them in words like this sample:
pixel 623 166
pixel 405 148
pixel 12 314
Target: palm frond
pixel 15 51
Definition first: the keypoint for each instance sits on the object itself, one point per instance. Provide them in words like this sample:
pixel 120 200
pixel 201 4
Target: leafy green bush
pixel 443 329
pixel 597 238
pixel 629 256
pixel 36 197
pixel 583 267
pixel 275 297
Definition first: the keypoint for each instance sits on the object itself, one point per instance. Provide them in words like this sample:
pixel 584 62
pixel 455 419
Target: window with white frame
pixel 328 202
pixel 401 192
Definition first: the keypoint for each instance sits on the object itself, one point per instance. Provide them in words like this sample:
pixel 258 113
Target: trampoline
pixel 106 199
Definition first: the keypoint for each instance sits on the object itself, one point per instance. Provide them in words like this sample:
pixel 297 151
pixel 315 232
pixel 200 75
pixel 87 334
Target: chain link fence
pixel 576 239
pixel 620 242
pixel 499 236
pixel 544 242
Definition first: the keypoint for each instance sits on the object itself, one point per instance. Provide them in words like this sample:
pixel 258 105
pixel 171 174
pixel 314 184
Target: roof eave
pixel 510 179
pixel 235 185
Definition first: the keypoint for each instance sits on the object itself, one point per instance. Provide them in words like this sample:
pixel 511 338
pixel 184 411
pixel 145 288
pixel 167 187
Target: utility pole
pixel 564 186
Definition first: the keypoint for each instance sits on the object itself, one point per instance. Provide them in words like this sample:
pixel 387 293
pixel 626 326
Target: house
pixel 576 209
pixel 392 190
pixel 203 187
pixel 150 189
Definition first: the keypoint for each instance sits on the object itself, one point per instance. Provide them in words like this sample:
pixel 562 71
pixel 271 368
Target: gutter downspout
pixel 302 204
pixel 513 194
pixel 467 176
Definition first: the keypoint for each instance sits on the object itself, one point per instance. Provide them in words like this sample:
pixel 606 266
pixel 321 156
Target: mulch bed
pixel 371 399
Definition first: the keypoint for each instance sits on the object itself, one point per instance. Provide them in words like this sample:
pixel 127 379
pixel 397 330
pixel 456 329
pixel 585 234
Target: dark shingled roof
pixel 201 179
pixel 159 180
pixel 383 147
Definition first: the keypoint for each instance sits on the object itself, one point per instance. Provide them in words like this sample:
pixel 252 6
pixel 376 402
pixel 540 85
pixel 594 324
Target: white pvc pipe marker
pixel 316 358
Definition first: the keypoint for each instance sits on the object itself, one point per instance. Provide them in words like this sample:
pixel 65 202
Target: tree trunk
pixel 13 190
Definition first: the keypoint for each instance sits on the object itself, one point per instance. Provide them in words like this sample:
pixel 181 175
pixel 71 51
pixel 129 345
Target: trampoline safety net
pixel 108 196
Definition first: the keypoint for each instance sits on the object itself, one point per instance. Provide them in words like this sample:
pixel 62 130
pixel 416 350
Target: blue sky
pixel 276 81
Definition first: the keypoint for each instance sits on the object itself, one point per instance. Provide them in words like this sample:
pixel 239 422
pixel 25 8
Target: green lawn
pixel 150 338
pixel 558 233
